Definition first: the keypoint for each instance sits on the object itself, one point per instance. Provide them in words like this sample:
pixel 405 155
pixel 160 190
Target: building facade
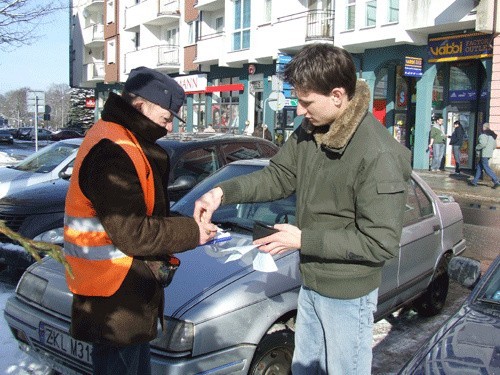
pixel 419 58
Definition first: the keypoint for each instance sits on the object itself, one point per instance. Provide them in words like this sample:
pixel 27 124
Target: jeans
pixel 456 155
pixel 127 360
pixel 333 336
pixel 437 155
pixel 484 165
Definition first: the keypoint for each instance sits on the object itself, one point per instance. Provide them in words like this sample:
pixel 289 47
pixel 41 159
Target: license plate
pixel 65 344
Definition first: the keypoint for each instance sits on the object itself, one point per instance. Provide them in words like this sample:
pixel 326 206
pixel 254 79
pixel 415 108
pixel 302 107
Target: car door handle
pixel 436 228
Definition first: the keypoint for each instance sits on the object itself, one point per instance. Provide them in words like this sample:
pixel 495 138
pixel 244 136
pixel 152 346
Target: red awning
pixel 230 87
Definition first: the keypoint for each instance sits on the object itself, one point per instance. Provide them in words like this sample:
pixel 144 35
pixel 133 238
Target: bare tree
pixel 19 20
pixel 58 98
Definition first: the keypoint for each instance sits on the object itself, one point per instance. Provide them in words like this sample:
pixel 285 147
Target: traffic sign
pixel 276 101
pixel 35 99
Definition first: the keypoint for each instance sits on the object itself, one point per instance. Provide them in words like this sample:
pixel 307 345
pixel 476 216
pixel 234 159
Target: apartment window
pixel 137 40
pixel 219 24
pixel 350 14
pixel 110 11
pixel 371 13
pixel 111 51
pixel 393 11
pixel 267 10
pixel 172 37
pixel 241 35
pixel 192 32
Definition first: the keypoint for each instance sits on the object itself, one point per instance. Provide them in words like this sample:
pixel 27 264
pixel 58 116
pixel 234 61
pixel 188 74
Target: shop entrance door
pixel 467 119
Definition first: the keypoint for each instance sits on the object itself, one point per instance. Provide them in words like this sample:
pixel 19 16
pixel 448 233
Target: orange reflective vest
pixel 98 266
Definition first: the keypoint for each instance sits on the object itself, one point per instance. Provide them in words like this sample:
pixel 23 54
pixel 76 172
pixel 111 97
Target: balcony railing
pixel 94 71
pixel 151 12
pixel 159 56
pixel 93 34
pixel 320 25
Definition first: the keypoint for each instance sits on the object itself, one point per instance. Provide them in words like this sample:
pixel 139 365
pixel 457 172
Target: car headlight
pixel 32 287
pixel 55 236
pixel 176 336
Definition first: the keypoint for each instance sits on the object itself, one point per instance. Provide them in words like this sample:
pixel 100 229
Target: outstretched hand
pixel 288 238
pixel 206 205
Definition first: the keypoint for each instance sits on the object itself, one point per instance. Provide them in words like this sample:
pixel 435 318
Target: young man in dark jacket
pixel 456 141
pixel 350 177
pixel 117 224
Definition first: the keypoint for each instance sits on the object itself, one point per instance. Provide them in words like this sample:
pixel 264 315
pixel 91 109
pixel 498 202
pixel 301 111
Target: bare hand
pixel 207 232
pixel 288 238
pixel 205 206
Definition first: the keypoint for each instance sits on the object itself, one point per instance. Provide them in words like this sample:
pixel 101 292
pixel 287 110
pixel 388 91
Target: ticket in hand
pixel 221 236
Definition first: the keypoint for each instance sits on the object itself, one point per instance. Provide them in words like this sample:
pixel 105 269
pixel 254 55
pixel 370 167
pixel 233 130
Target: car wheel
pixel 274 354
pixel 434 298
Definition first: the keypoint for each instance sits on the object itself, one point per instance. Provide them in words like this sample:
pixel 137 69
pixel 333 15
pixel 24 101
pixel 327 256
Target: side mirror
pixel 185 182
pixel 465 271
pixel 65 174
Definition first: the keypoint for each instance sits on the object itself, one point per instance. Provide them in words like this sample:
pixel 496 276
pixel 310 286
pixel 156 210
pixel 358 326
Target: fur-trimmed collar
pixel 337 135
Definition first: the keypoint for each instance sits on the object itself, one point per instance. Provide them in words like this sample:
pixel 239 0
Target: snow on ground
pixel 13 361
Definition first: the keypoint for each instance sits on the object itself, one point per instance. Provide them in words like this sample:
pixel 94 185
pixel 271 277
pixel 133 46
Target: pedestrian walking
pixel 118 231
pixel 437 143
pixel 350 178
pixel 456 141
pixel 487 143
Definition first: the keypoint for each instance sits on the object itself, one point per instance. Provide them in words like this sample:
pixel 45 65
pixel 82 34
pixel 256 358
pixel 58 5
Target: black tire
pixel 432 301
pixel 274 354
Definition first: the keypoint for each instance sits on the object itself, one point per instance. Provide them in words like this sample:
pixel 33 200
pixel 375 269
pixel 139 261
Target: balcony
pixel 209 5
pixel 209 48
pixel 320 25
pixel 93 5
pixel 152 12
pixel 162 57
pixel 93 35
pixel 93 72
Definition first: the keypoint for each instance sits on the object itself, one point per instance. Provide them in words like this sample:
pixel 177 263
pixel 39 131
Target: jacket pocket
pixel 391 187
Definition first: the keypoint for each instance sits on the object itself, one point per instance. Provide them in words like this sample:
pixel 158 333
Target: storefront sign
pixel 90 102
pixel 413 66
pixel 281 62
pixel 460 47
pixel 193 83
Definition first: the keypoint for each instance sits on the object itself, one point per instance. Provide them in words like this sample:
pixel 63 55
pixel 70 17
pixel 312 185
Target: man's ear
pixel 337 95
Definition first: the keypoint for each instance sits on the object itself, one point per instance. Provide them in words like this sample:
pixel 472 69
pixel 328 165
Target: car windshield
pixel 489 295
pixel 49 157
pixel 241 215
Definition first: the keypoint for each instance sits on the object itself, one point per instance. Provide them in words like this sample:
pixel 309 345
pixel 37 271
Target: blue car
pixel 469 342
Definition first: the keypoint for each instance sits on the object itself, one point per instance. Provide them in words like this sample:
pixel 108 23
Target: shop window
pixel 438 91
pixel 225 111
pixel 380 96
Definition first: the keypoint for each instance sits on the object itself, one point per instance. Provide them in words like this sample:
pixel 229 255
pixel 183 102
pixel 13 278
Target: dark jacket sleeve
pixel 109 180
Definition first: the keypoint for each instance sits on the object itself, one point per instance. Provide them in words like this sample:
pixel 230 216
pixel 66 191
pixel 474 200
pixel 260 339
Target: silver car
pixel 44 165
pixel 226 317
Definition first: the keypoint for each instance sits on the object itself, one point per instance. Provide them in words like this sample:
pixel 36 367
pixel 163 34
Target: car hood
pixel 201 285
pixel 467 344
pixel 13 179
pixel 45 197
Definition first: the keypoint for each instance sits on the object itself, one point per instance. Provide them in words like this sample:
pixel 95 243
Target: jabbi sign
pixel 460 47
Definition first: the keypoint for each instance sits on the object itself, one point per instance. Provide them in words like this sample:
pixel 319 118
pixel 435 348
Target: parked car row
pixel 32 193
pixel 6 136
pixel 29 134
pixel 204 311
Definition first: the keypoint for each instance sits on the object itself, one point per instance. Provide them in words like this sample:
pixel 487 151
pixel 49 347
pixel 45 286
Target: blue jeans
pixel 437 155
pixel 333 336
pixel 484 165
pixel 127 360
pixel 456 155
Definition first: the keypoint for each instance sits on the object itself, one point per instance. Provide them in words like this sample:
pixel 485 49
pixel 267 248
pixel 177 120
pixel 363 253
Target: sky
pixel 41 64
